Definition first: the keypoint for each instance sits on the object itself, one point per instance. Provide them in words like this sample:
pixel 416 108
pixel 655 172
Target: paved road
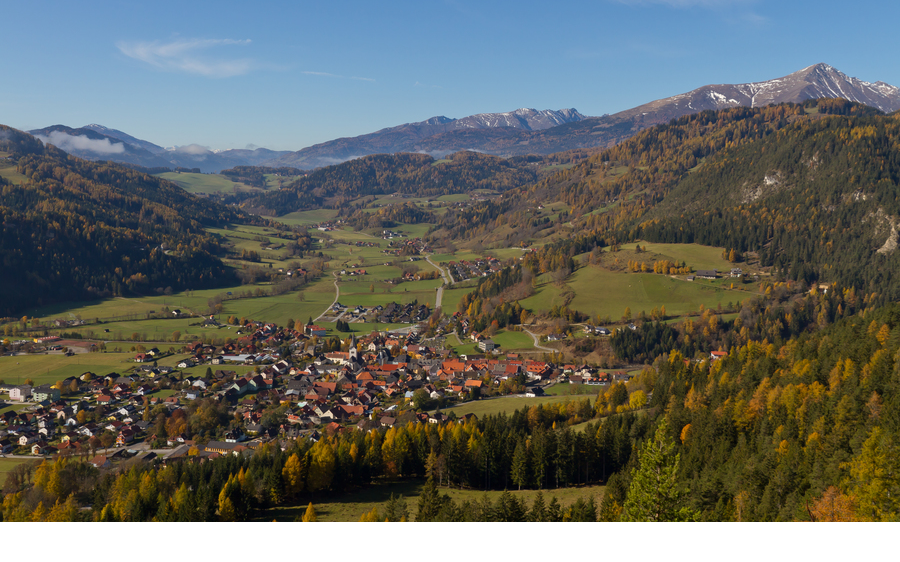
pixel 537 344
pixel 337 295
pixel 448 280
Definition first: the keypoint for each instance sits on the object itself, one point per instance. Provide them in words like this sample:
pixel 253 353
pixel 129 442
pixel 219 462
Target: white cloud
pixel 67 142
pixel 193 149
pixel 185 55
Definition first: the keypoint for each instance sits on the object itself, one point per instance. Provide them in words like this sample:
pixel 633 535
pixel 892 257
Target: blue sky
pixel 286 75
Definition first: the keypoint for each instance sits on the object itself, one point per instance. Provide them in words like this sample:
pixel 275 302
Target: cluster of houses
pixel 466 269
pixel 404 247
pixel 334 391
pixel 392 313
pixel 110 405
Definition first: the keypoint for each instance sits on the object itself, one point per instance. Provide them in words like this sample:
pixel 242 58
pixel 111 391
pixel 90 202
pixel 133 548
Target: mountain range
pixel 438 136
pixel 96 143
pixel 520 132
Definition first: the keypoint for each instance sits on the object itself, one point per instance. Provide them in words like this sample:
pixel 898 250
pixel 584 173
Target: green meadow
pixel 8 170
pixel 204 183
pixel 600 292
pixel 508 404
pixel 307 218
pixel 44 369
pixel 350 506
pixel 694 255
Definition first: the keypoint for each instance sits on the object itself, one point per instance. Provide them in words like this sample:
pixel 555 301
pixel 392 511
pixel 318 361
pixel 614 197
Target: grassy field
pixel 694 255
pixel 6 466
pixel 350 506
pixel 204 183
pixel 600 292
pixel 506 404
pixel 52 368
pixel 8 170
pixel 306 218
pixel 575 391
pixel 317 296
pixel 513 341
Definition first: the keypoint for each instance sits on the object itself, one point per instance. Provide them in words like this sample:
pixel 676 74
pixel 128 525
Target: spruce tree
pixel 655 493
pixel 430 501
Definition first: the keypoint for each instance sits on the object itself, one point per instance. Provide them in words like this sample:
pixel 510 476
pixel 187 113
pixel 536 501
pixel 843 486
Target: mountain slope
pixel 504 135
pixel 99 143
pixel 811 190
pixel 406 173
pixel 75 230
pixel 410 136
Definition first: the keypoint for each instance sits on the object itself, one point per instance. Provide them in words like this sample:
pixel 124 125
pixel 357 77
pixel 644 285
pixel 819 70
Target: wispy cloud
pixel 330 75
pixel 190 56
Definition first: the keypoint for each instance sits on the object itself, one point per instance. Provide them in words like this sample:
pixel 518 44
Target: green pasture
pixel 451 297
pixel 575 391
pixel 557 167
pixel 204 183
pixel 506 404
pixel 455 198
pixel 276 182
pixel 48 369
pixel 512 341
pixel 462 346
pixel 307 218
pixel 317 296
pixel 694 255
pixel 357 292
pixel 8 170
pixel 350 506
pixel 600 292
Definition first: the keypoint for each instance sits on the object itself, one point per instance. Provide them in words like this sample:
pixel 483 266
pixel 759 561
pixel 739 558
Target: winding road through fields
pixel 448 280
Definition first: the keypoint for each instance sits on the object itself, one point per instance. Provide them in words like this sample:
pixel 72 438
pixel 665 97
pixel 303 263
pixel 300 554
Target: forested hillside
pixel 768 431
pixel 818 201
pixel 408 174
pixel 812 189
pixel 75 230
pixel 610 190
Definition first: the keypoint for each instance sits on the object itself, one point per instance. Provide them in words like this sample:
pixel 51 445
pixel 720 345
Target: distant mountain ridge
pixel 409 136
pixel 96 142
pixel 497 133
pixel 513 133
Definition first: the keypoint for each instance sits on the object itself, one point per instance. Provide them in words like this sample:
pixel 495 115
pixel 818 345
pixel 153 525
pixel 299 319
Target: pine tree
pixel 655 493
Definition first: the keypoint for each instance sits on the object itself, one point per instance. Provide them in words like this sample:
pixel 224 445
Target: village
pixel 301 386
